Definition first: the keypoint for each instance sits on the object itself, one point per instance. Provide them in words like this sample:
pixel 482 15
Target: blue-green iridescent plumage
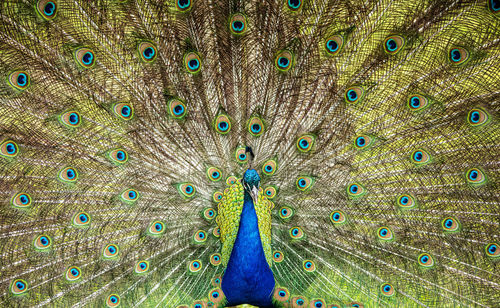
pixel 281 153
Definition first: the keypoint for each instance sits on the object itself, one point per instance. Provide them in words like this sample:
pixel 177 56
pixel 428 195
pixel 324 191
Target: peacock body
pixel 278 153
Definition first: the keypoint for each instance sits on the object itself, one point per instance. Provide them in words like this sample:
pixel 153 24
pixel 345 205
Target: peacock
pixel 276 153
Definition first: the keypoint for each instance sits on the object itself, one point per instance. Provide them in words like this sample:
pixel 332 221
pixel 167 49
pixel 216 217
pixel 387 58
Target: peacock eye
pixel 200 237
pixel 147 51
pixel 238 24
pixel 156 228
pixel 283 61
pixel 47 9
pixel 354 94
pixel 425 260
pixel 192 62
pixel 177 108
pixel 113 300
pixel 384 233
pixel 286 212
pixel 19 80
pixel 478 117
pixel 417 102
pixel 110 251
pixel 124 111
pixel 118 156
pixel 183 5
pixel 187 190
pixel 278 256
pixel 18 286
pixel 305 143
pixel 270 192
pixel 142 267
pixel 475 177
pixel 214 174
pixel 337 217
pixel 492 250
pixel 42 243
pixel 421 157
pixel 68 175
pixel 296 233
pixel 9 149
pixel 458 55
pixel 363 142
pixel 269 167
pixel 294 5
pixel 85 57
pixel 255 126
pixel 222 124
pixel 73 273
pixel 355 190
pixel 406 201
pixel 304 183
pixel 334 44
pixel 450 224
pixel 494 6
pixel 387 289
pixel 21 200
pixel 209 214
pixel 394 44
pixel 195 266
pixel 215 259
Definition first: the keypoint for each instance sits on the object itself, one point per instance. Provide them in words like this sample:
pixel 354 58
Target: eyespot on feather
pixel 214 174
pixel 304 183
pixel 308 266
pixel 200 237
pixel 130 196
pixel 354 94
pixel 187 190
pixel 281 294
pixel 285 212
pixel 18 287
pixel 215 259
pixel 458 55
pixel 317 303
pixel 81 219
pixel 73 273
pixel 256 126
pixel 294 5
pixel 156 228
pixel 296 233
pixel 241 156
pixel 70 119
pixel 475 177
pixel 47 9
pixel 21 200
pixel 118 156
pixel 417 102
pixel 385 233
pixel 113 300
pixel 356 190
pixel 110 251
pixel 216 295
pixel 334 44
pixel 85 57
pixel 278 256
pixel 283 61
pixel 147 51
pixel 450 224
pixel 305 143
pixel 394 44
pixel 406 201
pixel 238 24
pixel 183 5
pixel 217 196
pixel 68 175
pixel 222 124
pixel 299 302
pixel 42 243
pixel 142 267
pixel 124 111
pixel 19 80
pixel 209 214
pixel 270 192
pixel 194 266
pixel 192 62
pixel 177 108
pixel 492 250
pixel 337 217
pixel 478 117
pixel 269 167
pixel 425 260
pixel 420 157
pixel 387 289
pixel 9 149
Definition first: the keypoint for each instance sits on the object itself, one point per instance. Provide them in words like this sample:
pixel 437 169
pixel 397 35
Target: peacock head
pixel 251 179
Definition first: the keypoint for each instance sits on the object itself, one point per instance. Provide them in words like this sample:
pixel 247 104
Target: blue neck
pixel 248 278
